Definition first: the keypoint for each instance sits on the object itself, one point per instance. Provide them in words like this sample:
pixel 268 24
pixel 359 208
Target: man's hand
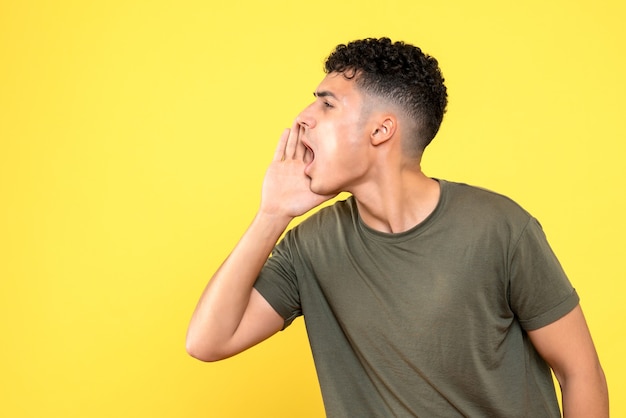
pixel 286 188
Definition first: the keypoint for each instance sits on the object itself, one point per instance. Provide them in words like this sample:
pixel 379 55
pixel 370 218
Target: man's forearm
pixel 230 316
pixel 225 299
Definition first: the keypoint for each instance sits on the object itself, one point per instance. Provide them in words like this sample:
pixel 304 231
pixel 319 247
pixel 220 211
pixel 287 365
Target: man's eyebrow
pixel 324 94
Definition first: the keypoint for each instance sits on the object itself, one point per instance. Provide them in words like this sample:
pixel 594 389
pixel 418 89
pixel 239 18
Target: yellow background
pixel 135 134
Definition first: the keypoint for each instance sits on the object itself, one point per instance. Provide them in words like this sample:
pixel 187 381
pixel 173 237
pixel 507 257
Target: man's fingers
pixel 292 141
pixel 300 148
pixel 279 154
pixel 290 145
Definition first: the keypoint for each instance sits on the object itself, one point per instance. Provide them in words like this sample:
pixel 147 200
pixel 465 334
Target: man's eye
pixel 326 104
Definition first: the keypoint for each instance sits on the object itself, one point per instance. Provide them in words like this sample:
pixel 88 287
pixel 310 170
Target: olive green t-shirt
pixel 429 322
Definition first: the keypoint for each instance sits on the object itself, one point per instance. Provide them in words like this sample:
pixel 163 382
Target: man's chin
pixel 316 187
pixel 323 190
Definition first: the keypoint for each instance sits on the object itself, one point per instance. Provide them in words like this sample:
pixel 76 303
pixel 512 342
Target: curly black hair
pixel 399 72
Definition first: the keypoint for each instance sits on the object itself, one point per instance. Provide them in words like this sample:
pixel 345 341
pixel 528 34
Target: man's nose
pixel 306 119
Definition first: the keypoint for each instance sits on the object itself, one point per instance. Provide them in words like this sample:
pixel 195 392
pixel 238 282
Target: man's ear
pixel 384 130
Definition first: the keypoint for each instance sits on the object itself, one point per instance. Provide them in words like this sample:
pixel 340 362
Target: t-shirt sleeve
pixel 278 284
pixel 540 291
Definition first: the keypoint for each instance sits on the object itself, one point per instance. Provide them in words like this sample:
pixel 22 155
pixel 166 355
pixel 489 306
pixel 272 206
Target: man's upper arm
pixel 566 344
pixel 260 321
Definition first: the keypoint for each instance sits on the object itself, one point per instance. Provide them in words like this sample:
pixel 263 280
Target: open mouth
pixel 309 156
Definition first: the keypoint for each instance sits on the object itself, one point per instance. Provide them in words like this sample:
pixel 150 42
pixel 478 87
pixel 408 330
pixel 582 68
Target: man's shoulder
pixel 471 199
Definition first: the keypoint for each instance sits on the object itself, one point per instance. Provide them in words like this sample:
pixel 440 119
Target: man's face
pixel 337 134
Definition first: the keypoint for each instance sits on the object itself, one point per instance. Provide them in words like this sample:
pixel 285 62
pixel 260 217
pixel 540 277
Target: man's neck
pixel 395 204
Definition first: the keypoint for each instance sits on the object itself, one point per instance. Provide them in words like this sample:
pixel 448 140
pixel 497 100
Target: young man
pixel 421 297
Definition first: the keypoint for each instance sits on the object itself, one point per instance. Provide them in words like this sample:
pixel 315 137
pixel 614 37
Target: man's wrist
pixel 272 223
